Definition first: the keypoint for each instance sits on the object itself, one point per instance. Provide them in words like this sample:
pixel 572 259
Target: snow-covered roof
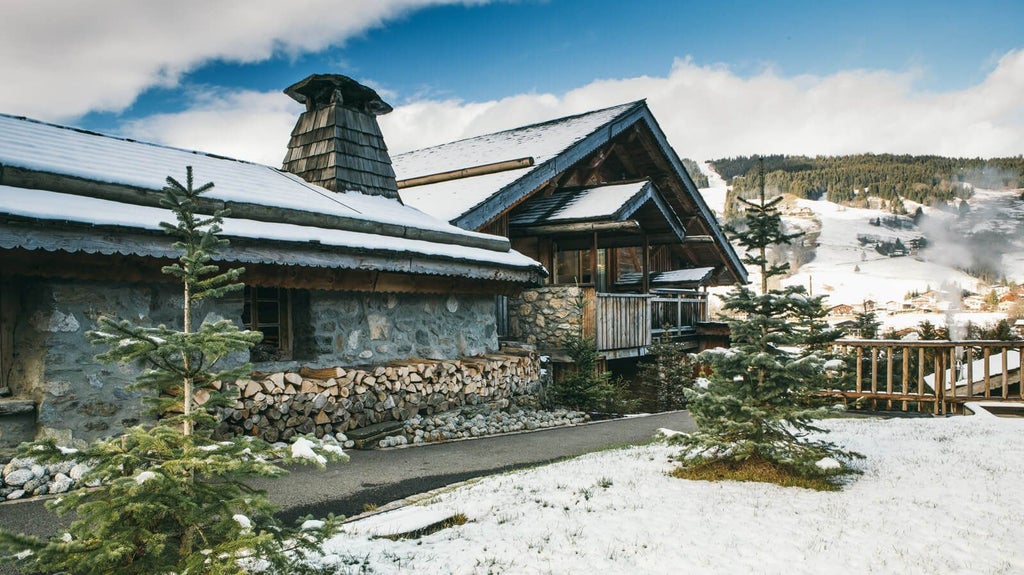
pixel 685 277
pixel 543 142
pixel 289 209
pixel 465 191
pixel 395 253
pixel 977 371
pixel 49 148
pixel 597 202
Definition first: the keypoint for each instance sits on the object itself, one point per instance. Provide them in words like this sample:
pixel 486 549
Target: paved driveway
pixel 382 476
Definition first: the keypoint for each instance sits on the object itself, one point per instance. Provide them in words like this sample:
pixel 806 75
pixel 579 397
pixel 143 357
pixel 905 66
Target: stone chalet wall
pixel 544 316
pixel 276 406
pixel 80 399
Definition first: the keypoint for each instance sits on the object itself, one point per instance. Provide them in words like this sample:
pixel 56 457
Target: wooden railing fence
pixel 932 376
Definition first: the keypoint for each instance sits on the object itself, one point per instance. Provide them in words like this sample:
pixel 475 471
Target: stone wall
pixel 357 329
pixel 79 398
pixel 544 316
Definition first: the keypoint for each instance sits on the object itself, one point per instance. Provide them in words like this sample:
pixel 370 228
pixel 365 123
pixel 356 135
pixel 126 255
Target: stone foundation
pixel 545 316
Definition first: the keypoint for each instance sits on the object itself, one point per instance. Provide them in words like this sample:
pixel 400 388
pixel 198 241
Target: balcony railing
pixel 933 376
pixel 629 323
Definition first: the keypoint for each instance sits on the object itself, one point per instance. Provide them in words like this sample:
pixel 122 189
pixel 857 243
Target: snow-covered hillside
pixel 851 271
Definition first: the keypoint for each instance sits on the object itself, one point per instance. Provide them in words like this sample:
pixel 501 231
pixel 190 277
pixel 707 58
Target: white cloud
pixel 706 111
pixel 62 59
pixel 248 125
pixel 710 112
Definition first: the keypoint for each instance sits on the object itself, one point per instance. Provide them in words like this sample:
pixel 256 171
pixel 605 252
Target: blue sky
pixel 723 78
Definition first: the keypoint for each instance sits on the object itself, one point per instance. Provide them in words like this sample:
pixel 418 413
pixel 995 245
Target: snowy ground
pixel 848 273
pixel 936 496
pixel 851 274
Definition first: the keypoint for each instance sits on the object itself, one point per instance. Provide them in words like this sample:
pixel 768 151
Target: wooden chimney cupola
pixel 337 142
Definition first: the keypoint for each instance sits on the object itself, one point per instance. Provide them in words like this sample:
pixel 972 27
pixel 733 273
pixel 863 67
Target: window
pixel 629 262
pixel 572 267
pixel 268 310
pixel 575 267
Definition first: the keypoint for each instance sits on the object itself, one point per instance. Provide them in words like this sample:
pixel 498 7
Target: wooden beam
pixel 121 268
pixel 471 172
pixel 577 228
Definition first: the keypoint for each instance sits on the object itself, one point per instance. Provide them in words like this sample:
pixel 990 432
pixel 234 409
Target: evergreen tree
pixel 757 408
pixel 867 325
pixel 665 374
pixel 171 499
pixel 585 386
pixel 930 332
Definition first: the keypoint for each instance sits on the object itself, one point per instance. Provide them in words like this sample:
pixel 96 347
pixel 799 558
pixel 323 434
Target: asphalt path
pixel 381 476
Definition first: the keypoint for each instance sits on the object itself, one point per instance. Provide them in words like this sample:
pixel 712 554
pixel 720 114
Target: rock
pixel 61 483
pixel 78 471
pixel 18 477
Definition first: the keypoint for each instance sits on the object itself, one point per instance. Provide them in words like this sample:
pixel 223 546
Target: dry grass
pixel 453 521
pixel 754 469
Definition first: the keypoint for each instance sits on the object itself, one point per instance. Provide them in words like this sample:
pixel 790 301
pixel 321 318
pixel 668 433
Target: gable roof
pixel 554 147
pixel 615 201
pixel 604 203
pixel 60 176
pixel 550 144
pixel 691 277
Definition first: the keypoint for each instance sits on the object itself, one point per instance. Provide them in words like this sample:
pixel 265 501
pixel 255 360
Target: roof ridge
pixel 625 106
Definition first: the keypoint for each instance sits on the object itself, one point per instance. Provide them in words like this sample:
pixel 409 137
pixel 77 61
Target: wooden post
pixel 906 375
pixel 8 312
pixel 953 376
pixel 920 375
pixel 860 369
pixel 645 286
pixel 888 376
pixel 1006 376
pixel 874 376
pixel 987 355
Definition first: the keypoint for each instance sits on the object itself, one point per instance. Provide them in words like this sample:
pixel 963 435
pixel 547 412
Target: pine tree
pixel 757 408
pixel 169 497
pixel 665 374
pixel 867 325
pixel 584 386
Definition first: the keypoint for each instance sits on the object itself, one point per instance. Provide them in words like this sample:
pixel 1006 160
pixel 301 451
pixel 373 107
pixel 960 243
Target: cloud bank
pixel 707 111
pixel 710 112
pixel 70 58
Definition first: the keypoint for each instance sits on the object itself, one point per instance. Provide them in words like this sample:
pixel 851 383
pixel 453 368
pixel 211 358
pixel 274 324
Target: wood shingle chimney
pixel 336 142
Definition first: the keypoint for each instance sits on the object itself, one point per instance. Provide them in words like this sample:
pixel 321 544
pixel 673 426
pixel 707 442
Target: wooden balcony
pixel 932 376
pixel 625 325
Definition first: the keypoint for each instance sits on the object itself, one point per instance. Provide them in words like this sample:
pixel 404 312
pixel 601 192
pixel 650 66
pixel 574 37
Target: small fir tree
pixel 584 386
pixel 665 374
pixel 757 408
pixel 867 324
pixel 171 499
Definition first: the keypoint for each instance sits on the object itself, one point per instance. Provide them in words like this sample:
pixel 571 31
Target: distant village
pixel 1007 299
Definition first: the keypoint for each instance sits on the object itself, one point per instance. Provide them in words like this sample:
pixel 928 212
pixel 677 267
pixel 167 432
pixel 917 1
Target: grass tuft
pixel 453 521
pixel 755 469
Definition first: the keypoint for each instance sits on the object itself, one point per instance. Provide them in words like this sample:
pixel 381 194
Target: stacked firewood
pixel 277 406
